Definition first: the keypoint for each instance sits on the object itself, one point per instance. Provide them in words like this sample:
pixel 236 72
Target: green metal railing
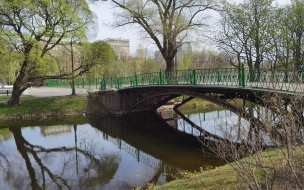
pixel 278 79
pixel 79 83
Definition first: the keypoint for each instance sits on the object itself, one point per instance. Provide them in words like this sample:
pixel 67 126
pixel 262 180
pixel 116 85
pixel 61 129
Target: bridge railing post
pixel 242 82
pixel 160 77
pixel 103 84
pixel 240 76
pixel 218 75
pixel 243 75
pixel 136 80
pixel 194 82
pixel 117 82
pixel 102 81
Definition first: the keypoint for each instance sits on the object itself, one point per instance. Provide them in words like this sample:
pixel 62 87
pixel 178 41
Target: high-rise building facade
pixel 121 47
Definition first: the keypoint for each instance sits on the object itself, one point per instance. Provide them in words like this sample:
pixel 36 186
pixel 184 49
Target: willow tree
pixel 34 29
pixel 8 63
pixel 167 23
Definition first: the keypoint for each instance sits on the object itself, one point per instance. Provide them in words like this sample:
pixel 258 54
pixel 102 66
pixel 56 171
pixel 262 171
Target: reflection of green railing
pixel 287 80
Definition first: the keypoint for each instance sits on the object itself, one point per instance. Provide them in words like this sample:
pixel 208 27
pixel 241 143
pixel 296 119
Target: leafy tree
pixel 9 63
pixel 149 66
pixel 166 23
pixel 184 60
pixel 245 32
pixel 206 59
pixel 34 28
pixel 257 32
pixel 101 56
pixel 143 61
pixel 292 30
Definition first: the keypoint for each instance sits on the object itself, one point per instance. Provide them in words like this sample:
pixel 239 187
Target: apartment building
pixel 121 47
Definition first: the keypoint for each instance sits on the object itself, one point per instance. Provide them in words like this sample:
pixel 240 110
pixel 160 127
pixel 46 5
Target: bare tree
pixel 166 23
pixel 244 33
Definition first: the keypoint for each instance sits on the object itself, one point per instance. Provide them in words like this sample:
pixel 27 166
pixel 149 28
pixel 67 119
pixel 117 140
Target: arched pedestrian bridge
pixel 146 92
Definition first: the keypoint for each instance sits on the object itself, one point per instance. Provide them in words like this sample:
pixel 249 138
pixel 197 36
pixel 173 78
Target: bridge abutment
pixel 111 99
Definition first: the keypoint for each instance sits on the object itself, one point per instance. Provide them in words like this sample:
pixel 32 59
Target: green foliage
pixel 143 62
pixel 42 66
pixel 9 62
pixel 290 34
pixel 102 58
pixel 263 35
pixel 149 66
pixel 34 29
pixel 184 60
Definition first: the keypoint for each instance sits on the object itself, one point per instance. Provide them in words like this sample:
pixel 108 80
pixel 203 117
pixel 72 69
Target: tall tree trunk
pixel 170 64
pixel 21 83
pixel 18 88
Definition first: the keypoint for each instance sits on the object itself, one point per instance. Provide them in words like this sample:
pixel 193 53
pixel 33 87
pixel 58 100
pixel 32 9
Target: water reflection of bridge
pixel 141 156
pixel 152 142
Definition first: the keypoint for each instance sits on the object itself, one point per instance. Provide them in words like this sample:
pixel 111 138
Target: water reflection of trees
pixel 76 167
pixel 5 135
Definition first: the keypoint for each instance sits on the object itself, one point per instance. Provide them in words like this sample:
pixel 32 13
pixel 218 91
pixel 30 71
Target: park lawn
pixel 223 177
pixel 54 106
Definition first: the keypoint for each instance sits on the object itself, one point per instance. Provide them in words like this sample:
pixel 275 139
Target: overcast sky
pixel 104 11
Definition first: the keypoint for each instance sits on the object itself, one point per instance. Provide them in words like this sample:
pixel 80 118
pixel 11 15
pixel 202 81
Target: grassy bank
pixel 223 177
pixel 269 168
pixel 34 107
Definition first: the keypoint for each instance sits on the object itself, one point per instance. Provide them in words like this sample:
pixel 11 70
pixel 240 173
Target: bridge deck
pixel 285 80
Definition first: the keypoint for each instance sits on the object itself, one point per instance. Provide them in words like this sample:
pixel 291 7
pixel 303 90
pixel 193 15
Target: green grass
pixel 225 177
pixel 56 106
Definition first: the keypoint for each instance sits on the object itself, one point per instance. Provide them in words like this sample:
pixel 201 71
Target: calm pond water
pixel 104 153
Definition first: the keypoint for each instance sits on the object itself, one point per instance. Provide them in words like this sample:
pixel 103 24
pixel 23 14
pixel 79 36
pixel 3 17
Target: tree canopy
pixel 244 32
pixel 258 32
pixel 101 56
pixel 33 29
